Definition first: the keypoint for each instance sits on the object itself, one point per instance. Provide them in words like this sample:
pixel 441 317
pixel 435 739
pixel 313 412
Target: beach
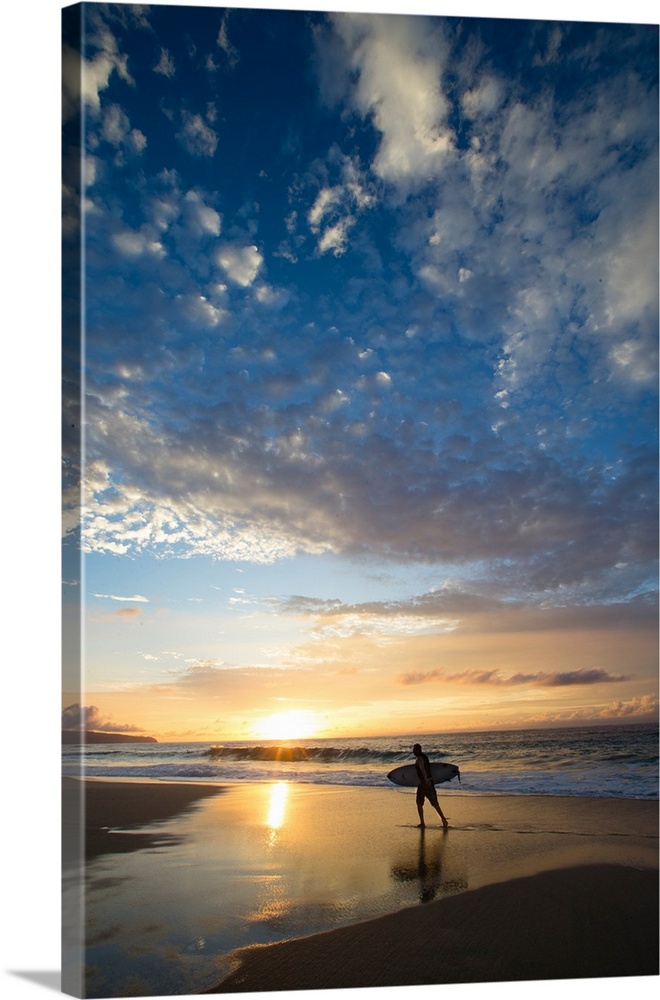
pixel 195 888
pixel 565 924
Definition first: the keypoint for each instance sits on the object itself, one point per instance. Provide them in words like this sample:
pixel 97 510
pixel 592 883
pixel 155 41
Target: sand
pixel 122 804
pixel 351 894
pixel 593 921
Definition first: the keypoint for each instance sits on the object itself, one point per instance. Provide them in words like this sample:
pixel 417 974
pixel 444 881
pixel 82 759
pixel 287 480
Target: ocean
pixel 617 761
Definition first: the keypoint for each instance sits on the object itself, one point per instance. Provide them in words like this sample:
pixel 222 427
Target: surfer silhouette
pixel 426 788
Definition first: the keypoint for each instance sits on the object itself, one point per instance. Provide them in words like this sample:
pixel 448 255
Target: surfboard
pixel 408 777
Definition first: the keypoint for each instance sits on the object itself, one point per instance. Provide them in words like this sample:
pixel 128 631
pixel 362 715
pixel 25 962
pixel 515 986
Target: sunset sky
pixel 370 386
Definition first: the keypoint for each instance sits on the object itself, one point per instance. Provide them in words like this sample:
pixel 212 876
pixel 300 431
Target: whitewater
pixel 619 761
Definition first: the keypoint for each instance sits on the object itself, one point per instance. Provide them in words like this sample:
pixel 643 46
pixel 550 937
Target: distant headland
pixel 73 736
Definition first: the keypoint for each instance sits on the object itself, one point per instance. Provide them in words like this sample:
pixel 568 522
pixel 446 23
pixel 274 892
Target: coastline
pixel 124 804
pixel 594 921
pixel 506 893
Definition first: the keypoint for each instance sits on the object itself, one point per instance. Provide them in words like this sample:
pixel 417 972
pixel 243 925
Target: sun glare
pixel 296 724
pixel 277 805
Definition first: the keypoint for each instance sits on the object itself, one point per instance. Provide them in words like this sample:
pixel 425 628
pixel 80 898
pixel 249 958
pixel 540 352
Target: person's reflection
pixel 426 866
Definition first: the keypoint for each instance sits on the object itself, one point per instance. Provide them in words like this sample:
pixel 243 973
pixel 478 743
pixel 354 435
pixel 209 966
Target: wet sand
pixel 584 922
pixel 289 887
pixel 109 809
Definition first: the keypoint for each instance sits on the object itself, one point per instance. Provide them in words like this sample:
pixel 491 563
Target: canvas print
pixel 360 328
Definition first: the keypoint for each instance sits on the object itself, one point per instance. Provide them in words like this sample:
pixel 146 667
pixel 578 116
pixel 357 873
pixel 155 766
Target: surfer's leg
pixel 420 806
pixel 436 805
pixel 442 815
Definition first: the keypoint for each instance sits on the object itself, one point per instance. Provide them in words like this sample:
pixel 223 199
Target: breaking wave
pixel 610 761
pixel 318 755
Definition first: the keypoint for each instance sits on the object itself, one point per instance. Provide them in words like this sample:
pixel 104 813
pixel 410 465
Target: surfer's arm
pixel 423 772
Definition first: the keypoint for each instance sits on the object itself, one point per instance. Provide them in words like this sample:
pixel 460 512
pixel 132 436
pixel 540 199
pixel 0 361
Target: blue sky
pixel 370 386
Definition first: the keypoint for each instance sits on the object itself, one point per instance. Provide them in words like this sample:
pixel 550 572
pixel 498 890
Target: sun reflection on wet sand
pixel 276 809
pixel 265 862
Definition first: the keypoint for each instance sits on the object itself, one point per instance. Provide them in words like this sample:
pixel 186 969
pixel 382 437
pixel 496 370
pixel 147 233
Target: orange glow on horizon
pixel 294 724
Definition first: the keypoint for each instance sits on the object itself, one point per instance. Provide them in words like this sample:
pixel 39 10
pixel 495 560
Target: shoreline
pixel 526 929
pixel 344 871
pixel 125 804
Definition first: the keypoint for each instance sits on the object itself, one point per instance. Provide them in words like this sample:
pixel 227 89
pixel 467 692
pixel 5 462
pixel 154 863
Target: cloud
pixel 496 679
pixel 533 191
pixel 130 243
pixel 224 44
pixel 326 199
pixel 165 64
pixel 271 297
pixel 128 614
pixel 645 706
pixel 115 126
pixel 199 218
pixel 457 373
pixel 492 606
pixel 240 263
pixel 224 491
pixel 344 193
pixel 96 73
pixel 103 28
pixel 335 238
pixel 485 98
pixel 196 136
pixel 84 80
pixel 213 679
pixel 136 598
pixel 89 718
pixel 398 65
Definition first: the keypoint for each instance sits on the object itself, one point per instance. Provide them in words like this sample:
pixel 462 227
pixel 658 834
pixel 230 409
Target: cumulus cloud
pixel 459 374
pixel 197 136
pixel 345 192
pixel 88 717
pixel 335 238
pixel 531 194
pixel 240 263
pixel 96 72
pixel 85 79
pixel 200 218
pixel 116 130
pixel 131 243
pixel 398 64
pixel 273 298
pixel 642 707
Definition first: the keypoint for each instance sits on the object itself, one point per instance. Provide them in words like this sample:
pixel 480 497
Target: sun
pixel 295 724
